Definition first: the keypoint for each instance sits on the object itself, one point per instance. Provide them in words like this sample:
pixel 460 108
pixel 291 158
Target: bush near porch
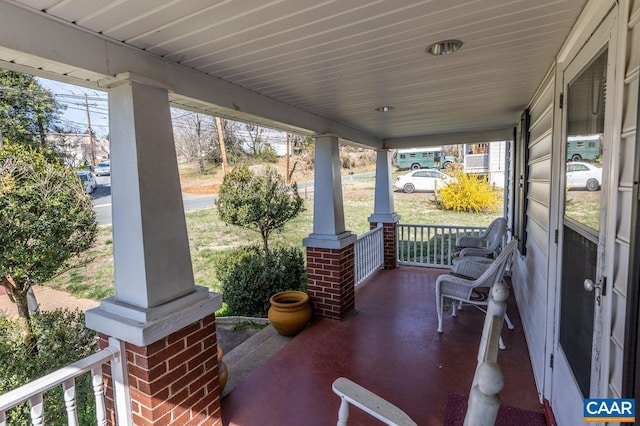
pixel 468 193
pixel 209 236
pixel 249 278
pixel 61 338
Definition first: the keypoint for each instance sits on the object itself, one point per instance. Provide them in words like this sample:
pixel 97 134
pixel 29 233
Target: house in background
pixel 371 74
pixel 488 159
pixel 78 149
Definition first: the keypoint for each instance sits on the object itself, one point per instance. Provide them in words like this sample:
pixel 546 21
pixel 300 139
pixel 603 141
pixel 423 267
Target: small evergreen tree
pixel 262 202
pixel 46 220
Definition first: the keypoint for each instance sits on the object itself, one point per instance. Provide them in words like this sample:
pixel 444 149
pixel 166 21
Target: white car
pixel 88 179
pixel 422 180
pixel 583 175
pixel 103 169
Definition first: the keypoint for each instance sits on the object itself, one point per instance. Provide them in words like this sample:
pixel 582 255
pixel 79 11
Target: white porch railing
pixel 33 392
pixel 430 245
pixel 369 253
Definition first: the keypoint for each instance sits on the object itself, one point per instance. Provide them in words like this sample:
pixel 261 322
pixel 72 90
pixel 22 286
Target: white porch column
pixel 328 211
pixel 383 208
pixel 330 248
pixel 157 309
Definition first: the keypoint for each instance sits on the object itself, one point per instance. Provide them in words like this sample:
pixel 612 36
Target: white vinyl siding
pixel 531 271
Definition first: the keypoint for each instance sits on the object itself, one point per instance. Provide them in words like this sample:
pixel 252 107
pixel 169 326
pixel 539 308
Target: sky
pixel 75 114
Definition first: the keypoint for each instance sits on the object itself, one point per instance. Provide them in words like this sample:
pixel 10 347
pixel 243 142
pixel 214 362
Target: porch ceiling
pixel 313 65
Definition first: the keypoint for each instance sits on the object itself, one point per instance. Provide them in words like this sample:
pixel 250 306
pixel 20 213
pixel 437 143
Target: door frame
pixel 605 34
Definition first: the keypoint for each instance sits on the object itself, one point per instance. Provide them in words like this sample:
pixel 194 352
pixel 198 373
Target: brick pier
pixel 331 281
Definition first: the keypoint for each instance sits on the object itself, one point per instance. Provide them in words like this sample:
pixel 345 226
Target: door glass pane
pixel 585 126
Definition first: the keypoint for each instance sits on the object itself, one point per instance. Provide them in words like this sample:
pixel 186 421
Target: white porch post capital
pixel 155 290
pixel 328 210
pixel 383 208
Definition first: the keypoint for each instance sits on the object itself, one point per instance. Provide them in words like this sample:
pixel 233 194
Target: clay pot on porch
pixel 223 371
pixel 290 312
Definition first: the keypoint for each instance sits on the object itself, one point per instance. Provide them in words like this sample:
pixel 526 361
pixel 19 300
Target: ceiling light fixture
pixel 385 108
pixel 444 47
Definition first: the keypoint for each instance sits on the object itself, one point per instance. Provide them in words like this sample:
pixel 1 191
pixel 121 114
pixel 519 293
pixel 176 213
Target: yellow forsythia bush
pixel 468 193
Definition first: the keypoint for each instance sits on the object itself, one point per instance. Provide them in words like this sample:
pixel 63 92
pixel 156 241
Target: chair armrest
pixel 470 267
pixel 370 403
pixel 457 279
pixel 469 241
pixel 478 259
pixel 474 251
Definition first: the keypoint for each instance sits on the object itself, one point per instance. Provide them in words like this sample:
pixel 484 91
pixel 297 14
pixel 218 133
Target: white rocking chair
pixel 469 275
pixel 487 244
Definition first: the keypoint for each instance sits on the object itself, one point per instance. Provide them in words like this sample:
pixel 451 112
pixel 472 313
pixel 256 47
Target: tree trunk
pixel 265 242
pixel 24 318
pixel 18 294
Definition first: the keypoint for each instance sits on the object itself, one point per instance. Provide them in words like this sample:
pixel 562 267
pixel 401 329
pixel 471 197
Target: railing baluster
pixel 3 419
pixel 415 243
pixel 400 239
pixel 441 260
pixel 421 244
pixel 69 394
pixel 37 410
pixel 429 248
pixel 98 392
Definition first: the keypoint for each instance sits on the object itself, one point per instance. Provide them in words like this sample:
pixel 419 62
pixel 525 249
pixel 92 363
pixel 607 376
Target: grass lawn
pixel 208 236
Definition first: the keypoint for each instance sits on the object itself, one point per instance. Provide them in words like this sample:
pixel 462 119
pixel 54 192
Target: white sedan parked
pixel 583 175
pixel 422 180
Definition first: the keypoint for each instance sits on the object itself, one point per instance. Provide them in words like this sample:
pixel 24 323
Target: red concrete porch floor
pixel 390 346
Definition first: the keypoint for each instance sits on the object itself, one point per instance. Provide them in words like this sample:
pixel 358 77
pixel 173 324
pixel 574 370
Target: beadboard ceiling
pixel 340 59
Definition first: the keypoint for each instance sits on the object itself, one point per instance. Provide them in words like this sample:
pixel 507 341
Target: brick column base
pixel 390 242
pixel 174 380
pixel 331 281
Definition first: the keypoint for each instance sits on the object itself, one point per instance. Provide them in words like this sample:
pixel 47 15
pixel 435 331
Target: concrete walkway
pixel 49 300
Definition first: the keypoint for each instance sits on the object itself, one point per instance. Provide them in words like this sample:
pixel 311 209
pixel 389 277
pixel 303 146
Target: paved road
pixel 102 200
pixel 102 197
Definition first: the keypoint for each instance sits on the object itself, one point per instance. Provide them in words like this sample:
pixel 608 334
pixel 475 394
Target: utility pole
pixel 287 157
pixel 91 141
pixel 223 151
pixel 201 154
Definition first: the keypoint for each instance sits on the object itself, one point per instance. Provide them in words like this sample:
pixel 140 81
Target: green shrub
pixel 268 154
pixel 61 339
pixel 468 193
pixel 249 278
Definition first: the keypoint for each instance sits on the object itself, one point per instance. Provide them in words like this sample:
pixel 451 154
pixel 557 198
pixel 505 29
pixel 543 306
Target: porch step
pixel 252 353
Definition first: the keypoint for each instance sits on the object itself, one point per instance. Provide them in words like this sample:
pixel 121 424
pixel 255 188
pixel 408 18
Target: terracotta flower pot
pixel 290 312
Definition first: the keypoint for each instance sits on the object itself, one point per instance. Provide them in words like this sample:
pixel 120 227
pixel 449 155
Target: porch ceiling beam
pixel 46 37
pixel 449 139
